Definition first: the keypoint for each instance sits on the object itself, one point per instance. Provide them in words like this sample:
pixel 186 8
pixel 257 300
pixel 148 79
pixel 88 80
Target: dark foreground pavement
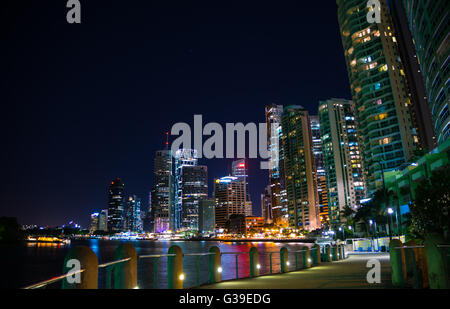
pixel 346 274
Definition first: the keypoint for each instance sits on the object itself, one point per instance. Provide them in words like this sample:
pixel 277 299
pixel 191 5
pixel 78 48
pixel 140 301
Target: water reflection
pixel 45 260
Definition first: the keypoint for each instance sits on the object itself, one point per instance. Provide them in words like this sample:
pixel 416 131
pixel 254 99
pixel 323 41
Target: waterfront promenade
pixel 344 274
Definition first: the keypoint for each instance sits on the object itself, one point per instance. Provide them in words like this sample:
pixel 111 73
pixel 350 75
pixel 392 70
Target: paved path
pixel 346 274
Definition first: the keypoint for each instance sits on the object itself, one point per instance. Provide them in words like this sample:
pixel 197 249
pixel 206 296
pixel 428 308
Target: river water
pixel 29 263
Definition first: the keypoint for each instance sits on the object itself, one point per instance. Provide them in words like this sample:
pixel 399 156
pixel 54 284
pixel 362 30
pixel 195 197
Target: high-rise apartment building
pixel 183 158
pixel 133 214
pixel 299 169
pixel 103 220
pixel 162 195
pixel 420 110
pixel 206 216
pixel 429 23
pixel 116 206
pixel 342 157
pixel 94 222
pixel 379 90
pixel 276 164
pixel 194 186
pixel 229 194
pixel 239 168
pixel 320 170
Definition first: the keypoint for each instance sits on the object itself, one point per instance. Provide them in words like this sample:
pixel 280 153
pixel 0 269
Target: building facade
pixel 183 158
pixel 103 220
pixel 299 169
pixel 239 168
pixel 94 222
pixel 133 214
pixel 230 198
pixel 206 216
pixel 379 91
pixel 429 23
pixel 342 157
pixel 320 170
pixel 194 187
pixel 162 195
pixel 116 206
pixel 276 164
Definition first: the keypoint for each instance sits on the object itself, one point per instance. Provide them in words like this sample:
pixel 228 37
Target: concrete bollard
pixel 175 268
pixel 215 265
pixel 438 272
pixel 334 256
pixel 87 261
pixel 396 263
pixel 254 262
pixel 317 261
pixel 328 255
pixel 284 260
pixel 125 274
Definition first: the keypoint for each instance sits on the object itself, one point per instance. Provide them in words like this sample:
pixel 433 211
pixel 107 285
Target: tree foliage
pixel 430 210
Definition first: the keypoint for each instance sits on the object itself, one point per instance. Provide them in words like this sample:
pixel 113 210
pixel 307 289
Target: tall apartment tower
pixel 116 206
pixel 276 164
pixel 183 158
pixel 103 220
pixel 320 170
pixel 194 187
pixel 299 169
pixel 162 195
pixel 379 91
pixel 133 214
pixel 429 23
pixel 239 168
pixel 342 157
pixel 420 110
pixel 229 194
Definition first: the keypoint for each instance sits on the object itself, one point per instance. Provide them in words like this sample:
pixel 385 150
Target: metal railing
pixel 52 280
pixel 310 258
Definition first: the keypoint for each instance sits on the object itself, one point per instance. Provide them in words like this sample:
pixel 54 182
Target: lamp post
pixel 390 212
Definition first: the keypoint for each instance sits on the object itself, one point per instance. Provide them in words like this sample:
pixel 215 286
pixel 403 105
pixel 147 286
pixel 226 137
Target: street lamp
pixel 390 212
pixel 343 235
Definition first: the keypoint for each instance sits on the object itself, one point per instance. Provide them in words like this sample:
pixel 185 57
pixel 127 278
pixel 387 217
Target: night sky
pixel 84 103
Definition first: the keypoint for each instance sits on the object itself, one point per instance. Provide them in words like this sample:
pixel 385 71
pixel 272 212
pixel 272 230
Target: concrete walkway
pixel 346 274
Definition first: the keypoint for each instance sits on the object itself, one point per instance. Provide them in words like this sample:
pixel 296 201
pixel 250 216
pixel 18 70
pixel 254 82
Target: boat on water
pixel 47 239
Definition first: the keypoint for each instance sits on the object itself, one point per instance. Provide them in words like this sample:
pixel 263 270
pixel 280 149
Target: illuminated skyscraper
pixel 229 194
pixel 103 220
pixel 239 168
pixel 429 22
pixel 183 158
pixel 320 170
pixel 206 216
pixel 342 157
pixel 133 214
pixel 276 164
pixel 299 169
pixel 194 188
pixel 94 223
pixel 379 90
pixel 162 195
pixel 116 206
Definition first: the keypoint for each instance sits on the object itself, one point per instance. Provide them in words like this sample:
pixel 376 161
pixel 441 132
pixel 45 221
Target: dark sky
pixel 84 103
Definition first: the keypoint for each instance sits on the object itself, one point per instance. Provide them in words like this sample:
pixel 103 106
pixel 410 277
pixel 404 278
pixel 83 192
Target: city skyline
pixel 75 118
